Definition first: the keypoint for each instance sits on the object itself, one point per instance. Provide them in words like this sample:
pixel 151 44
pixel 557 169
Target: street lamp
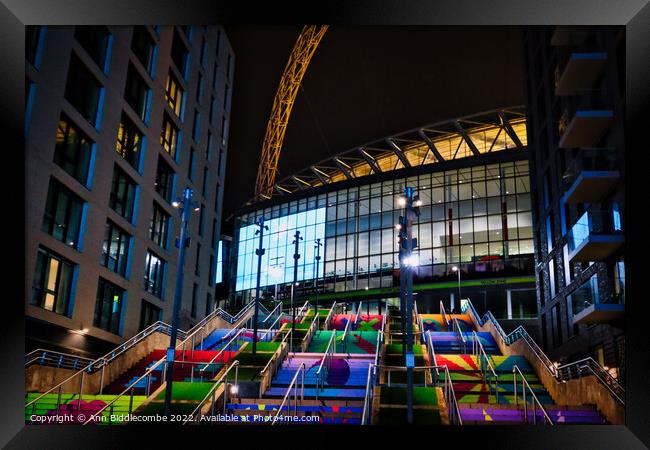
pixel 456 269
pixel 317 245
pixel 259 252
pixel 185 205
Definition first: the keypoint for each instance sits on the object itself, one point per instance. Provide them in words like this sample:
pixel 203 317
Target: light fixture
pixel 366 288
pixel 417 203
pixel 398 226
pixel 411 261
pixel 234 389
pixel 176 203
pixel 454 269
pixel 401 201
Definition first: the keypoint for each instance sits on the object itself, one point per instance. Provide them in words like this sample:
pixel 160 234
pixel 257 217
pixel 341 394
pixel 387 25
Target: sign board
pixel 410 360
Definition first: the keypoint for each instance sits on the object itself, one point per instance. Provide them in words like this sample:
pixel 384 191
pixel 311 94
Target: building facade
pixel 576 86
pixel 472 177
pixel 119 121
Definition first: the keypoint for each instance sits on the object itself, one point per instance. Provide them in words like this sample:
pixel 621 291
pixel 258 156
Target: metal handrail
pixel 284 350
pixel 536 402
pixel 302 394
pixel 380 338
pixel 227 346
pixel 367 401
pixel 329 316
pixel 559 373
pixel 479 352
pixel 460 336
pixel 312 329
pixel 359 308
pixel 418 320
pixel 432 352
pixel 147 373
pixel 211 393
pixel 279 305
pixel 302 312
pixel 57 359
pixel 345 331
pixel 443 313
pixel 450 398
pixel 329 354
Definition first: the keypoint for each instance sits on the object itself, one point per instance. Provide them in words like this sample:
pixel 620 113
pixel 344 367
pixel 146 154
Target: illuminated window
pixel 169 136
pixel 108 309
pixel 52 282
pixel 154 274
pixel 173 93
pixel 129 142
pixel 73 150
pixel 63 211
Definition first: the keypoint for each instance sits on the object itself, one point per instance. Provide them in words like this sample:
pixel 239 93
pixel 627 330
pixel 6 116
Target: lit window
pixel 52 282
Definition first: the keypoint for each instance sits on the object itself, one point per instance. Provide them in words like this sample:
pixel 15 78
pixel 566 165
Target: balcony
pixel 569 35
pixel 585 128
pixel 580 73
pixel 589 308
pixel 591 176
pixel 595 236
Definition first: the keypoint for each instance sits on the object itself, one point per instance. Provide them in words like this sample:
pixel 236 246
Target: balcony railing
pixel 594 223
pixel 589 306
pixel 590 160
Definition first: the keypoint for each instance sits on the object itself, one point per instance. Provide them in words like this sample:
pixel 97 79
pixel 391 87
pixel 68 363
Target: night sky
pixel 362 84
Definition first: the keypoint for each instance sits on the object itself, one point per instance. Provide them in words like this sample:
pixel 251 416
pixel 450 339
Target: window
pixel 196 126
pixel 208 304
pixel 201 217
pixel 203 47
pixel 122 198
pixel 143 46
pixel 159 226
pixel 194 289
pixel 213 102
pixel 52 282
pixel 165 180
pixel 223 130
pixel 149 314
pixel 32 41
pixel 214 75
pixel 190 168
pixel 225 97
pixel 129 142
pixel 173 93
pixel 208 147
pixel 197 263
pixel 228 66
pixel 63 211
pixel 82 90
pixel 551 274
pixel 199 89
pixel 221 159
pixel 179 54
pixel 154 273
pixel 169 136
pixel 115 251
pixel 108 309
pixel 73 150
pixel 136 92
pixel 94 39
pixel 204 188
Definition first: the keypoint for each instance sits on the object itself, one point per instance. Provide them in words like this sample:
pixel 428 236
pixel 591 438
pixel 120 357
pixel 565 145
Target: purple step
pixel 517 415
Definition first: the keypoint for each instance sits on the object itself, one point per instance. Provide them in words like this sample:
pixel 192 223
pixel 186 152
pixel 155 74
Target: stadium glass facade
pixel 477 218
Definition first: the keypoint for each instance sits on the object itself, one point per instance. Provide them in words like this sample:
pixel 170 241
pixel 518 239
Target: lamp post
pixel 259 252
pixel 408 261
pixel 296 256
pixel 457 269
pixel 186 206
pixel 318 245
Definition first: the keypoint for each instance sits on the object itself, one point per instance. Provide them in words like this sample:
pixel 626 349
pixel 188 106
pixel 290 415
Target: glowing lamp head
pixel 401 201
pixel 176 204
pixel 234 389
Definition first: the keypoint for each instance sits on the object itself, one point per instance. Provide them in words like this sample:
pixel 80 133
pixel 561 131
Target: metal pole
pixel 319 244
pixel 186 207
pixel 459 297
pixel 296 257
pixel 259 252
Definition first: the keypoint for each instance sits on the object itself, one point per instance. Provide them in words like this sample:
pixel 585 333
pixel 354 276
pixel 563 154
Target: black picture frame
pixel 15 14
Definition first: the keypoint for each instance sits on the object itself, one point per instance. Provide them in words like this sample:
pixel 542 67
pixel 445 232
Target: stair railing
pixel 302 312
pixel 443 313
pixel 284 351
pixel 228 347
pixel 450 398
pixel 293 384
pixel 310 332
pixel 326 324
pixel 535 401
pixel 418 320
pixel 460 336
pixel 59 360
pixel 326 362
pixel 432 355
pixel 485 365
pixel 129 389
pixel 559 373
pixel 344 343
pixel 369 396
pixel 195 415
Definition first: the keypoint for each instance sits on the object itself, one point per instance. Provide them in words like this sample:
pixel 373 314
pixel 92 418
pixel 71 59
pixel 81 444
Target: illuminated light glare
pixel 401 201
pixel 411 261
pixel 418 203
pixel 234 389
pixel 454 269
pixel 398 226
pixel 176 204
